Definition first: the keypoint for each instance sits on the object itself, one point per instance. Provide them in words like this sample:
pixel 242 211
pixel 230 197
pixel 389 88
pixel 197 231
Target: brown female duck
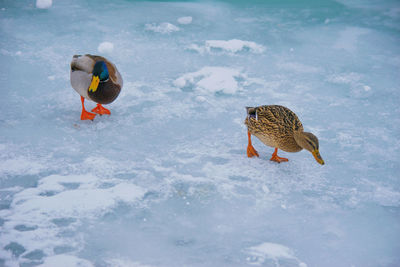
pixel 278 127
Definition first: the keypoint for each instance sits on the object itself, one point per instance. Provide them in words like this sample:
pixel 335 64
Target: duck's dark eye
pixel 311 144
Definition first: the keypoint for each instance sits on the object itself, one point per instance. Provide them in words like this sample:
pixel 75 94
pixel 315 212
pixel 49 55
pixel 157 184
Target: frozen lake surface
pixel 165 180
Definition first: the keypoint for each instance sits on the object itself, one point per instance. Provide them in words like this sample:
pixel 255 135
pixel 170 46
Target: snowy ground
pixel 164 180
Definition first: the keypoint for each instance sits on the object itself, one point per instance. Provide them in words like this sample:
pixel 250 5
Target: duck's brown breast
pixel 106 92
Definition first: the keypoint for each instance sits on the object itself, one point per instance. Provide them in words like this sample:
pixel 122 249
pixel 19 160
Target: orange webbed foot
pixel 101 110
pixel 251 152
pixel 276 158
pixel 87 115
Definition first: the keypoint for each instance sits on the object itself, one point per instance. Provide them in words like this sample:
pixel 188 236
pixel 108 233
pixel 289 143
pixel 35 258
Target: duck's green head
pixel 100 74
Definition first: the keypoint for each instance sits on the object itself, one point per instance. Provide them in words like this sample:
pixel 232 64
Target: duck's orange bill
pixel 318 157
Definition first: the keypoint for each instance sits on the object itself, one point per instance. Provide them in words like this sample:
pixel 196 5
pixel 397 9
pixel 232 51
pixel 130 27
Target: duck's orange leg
pixel 251 152
pixel 86 115
pixel 101 110
pixel 276 158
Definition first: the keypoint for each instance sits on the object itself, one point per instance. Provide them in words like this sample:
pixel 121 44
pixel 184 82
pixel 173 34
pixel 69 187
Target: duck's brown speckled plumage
pixel 275 126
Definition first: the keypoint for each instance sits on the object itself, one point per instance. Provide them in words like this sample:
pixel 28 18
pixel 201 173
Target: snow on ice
pixel 106 47
pixel 44 4
pixel 165 180
pixel 185 20
pixel 163 28
pixel 230 46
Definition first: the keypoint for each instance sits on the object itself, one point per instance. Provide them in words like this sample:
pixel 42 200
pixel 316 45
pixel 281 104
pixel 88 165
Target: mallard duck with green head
pixel 279 127
pixel 97 79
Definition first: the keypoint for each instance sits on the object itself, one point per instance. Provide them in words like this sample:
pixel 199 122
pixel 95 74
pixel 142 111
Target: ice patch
pixel 345 78
pixel 184 20
pixel 65 261
pixel 44 4
pixel 125 263
pixel 367 88
pixel 190 147
pixel 383 195
pixel 212 80
pixel 346 139
pixel 393 13
pixel 20 165
pixel 163 28
pixel 386 196
pixel 231 46
pixel 271 251
pixel 201 99
pixel 297 67
pixel 12 189
pixel 348 38
pixel 354 81
pixel 52 198
pixel 58 202
pixel 105 47
pixel 5 52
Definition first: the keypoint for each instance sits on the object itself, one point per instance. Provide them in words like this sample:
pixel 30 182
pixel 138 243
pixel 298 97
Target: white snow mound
pixel 230 46
pixel 212 80
pixel 87 199
pixel 271 251
pixel 65 261
pixel 163 28
pixel 58 197
pixel 185 20
pixel 44 4
pixel 105 47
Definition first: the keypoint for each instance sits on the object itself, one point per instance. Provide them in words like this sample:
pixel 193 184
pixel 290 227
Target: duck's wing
pixel 82 63
pixel 114 73
pixel 278 119
pixel 81 74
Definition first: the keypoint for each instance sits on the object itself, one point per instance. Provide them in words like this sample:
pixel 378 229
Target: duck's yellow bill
pixel 318 157
pixel 94 84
